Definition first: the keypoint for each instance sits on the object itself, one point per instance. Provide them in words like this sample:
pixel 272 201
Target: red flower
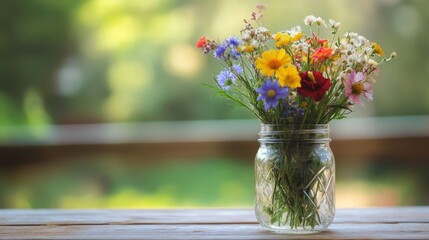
pixel 201 42
pixel 313 85
pixel 322 41
pixel 316 40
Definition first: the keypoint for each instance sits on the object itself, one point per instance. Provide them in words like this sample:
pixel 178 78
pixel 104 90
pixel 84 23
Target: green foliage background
pixel 101 61
pixel 77 61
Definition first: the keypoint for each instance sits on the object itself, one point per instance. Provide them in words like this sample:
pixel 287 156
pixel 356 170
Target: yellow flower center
pixel 357 88
pixel 271 93
pixel 274 64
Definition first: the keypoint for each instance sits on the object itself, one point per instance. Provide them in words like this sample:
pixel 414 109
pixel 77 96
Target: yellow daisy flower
pixel 297 36
pixel 290 77
pixel 377 49
pixel 245 48
pixel 272 62
pixel 282 39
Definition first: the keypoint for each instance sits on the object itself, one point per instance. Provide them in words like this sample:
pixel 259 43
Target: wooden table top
pixel 364 223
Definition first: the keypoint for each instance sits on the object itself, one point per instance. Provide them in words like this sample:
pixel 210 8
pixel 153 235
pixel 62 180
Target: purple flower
pixel 225 79
pixel 237 68
pixel 228 49
pixel 233 41
pixel 270 92
pixel 292 112
pixel 234 53
pixel 220 50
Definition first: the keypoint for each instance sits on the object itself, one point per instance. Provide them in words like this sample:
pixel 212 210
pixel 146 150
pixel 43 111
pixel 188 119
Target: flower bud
pixel 261 6
pixel 372 63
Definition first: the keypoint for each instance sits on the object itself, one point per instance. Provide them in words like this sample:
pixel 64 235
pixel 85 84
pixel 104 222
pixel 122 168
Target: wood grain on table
pixel 359 223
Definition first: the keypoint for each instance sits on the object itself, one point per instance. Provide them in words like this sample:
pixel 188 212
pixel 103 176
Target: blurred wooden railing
pixel 363 139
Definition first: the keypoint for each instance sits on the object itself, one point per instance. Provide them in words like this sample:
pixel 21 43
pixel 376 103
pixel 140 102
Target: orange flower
pixel 323 42
pixel 377 49
pixel 321 54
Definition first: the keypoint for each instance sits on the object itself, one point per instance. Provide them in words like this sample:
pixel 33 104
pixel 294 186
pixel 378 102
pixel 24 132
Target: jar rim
pixel 296 125
pixel 318 133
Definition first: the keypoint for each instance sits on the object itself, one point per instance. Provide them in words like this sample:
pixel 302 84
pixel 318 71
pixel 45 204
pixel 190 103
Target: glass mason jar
pixel 294 178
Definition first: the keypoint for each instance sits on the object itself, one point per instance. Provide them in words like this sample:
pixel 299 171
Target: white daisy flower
pixel 294 30
pixel 352 34
pixel 353 59
pixel 348 49
pixel 255 43
pixel 246 36
pixel 262 30
pixel 309 20
pixel 334 25
pixel 320 21
pixel 367 50
pixel 356 42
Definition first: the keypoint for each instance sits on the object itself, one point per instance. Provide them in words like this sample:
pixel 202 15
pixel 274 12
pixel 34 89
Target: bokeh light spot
pixel 184 61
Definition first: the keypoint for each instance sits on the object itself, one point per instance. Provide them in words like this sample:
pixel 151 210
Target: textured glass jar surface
pixel 294 178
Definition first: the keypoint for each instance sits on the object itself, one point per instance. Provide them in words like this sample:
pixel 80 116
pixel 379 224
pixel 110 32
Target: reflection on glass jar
pixel 294 178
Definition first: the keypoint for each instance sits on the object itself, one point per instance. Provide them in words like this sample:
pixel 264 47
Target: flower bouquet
pixel 295 83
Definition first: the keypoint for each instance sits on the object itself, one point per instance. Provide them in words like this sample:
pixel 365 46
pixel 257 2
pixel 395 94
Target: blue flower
pixel 234 53
pixel 292 112
pixel 228 49
pixel 270 92
pixel 220 50
pixel 233 41
pixel 225 79
pixel 237 69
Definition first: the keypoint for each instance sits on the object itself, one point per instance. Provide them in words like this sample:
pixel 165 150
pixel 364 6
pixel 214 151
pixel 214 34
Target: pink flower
pixel 261 6
pixel 356 86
